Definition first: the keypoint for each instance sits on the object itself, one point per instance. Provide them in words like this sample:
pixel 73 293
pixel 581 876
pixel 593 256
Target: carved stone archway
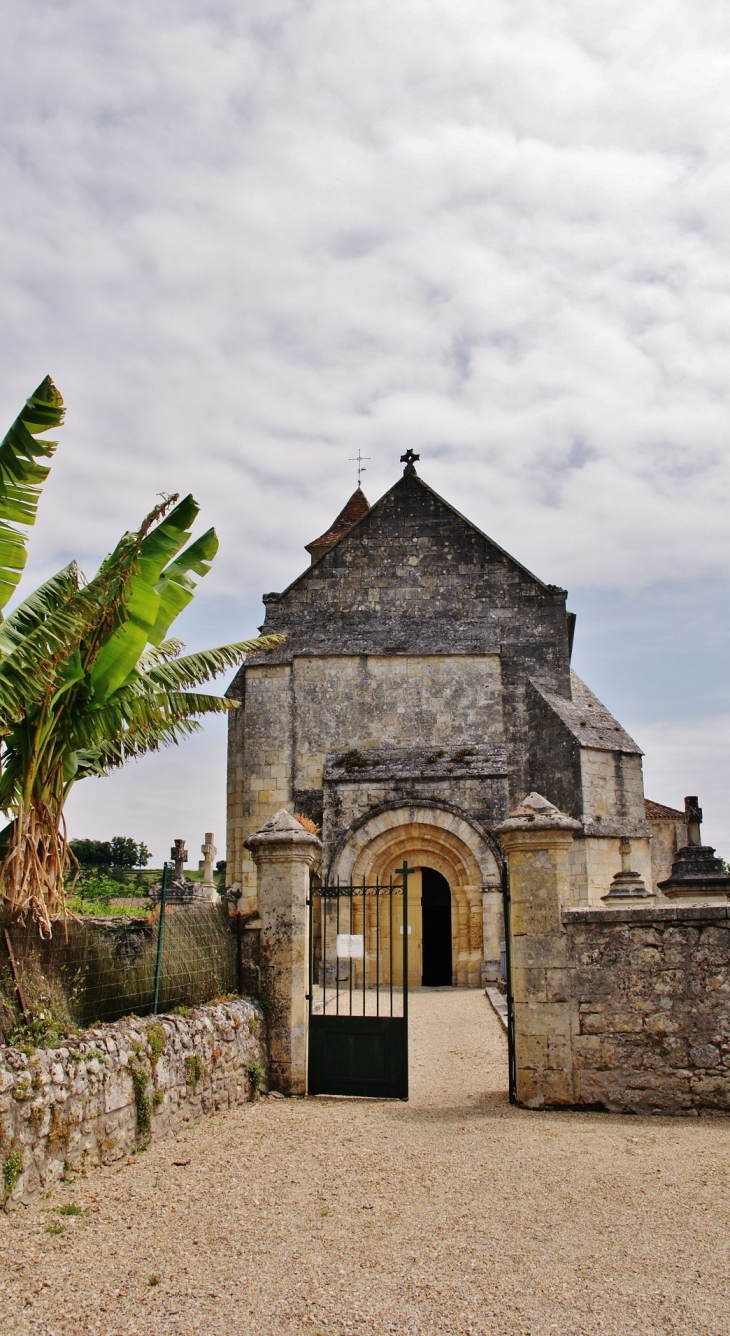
pixel 430 836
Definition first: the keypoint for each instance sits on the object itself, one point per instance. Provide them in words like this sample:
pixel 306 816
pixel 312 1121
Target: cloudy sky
pixel 247 241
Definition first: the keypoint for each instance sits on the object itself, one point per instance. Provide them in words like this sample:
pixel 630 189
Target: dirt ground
pixel 452 1213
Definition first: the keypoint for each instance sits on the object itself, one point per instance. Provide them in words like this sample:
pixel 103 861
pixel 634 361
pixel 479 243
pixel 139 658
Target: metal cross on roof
pixel 409 459
pixel 357 459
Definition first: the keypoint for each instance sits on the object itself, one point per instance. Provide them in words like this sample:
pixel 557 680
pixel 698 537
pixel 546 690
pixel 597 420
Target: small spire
pixel 356 507
pixel 357 459
pixel 409 460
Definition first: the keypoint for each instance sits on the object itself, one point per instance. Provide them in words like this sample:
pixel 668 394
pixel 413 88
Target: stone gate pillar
pixel 536 839
pixel 284 853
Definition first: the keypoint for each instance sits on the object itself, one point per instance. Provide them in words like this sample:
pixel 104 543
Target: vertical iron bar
pixel 352 911
pixel 324 949
pixel 160 936
pixel 404 874
pixel 310 975
pixel 364 939
pixel 337 958
pixel 510 996
pixel 377 946
pixel 390 939
pixel 239 952
pixel 16 974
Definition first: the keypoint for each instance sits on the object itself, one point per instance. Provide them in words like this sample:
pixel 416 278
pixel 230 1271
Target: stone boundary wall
pixel 116 1088
pixel 650 1001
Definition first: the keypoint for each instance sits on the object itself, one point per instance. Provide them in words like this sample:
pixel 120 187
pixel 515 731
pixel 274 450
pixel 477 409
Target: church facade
pixel 422 689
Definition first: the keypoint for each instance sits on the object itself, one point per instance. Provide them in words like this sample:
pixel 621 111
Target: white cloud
pixel 247 243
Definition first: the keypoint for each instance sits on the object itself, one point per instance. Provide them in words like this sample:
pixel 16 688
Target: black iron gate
pixel 358 988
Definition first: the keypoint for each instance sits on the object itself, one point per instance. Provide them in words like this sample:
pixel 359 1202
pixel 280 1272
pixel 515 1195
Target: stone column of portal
pixel 536 839
pixel 284 853
pixel 492 931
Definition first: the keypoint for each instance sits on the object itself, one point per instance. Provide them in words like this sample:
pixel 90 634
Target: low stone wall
pixel 116 1088
pixel 650 1001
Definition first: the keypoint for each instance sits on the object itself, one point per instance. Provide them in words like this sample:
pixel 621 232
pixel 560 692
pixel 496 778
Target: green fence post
pixel 160 936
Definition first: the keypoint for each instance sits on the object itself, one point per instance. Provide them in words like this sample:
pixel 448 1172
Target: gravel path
pixel 452 1213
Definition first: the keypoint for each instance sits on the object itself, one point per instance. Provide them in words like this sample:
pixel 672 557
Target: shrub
pixel 254 1074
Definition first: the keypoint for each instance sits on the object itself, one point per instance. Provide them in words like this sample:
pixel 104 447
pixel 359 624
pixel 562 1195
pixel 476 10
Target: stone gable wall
pixel 414 577
pixel 65 1109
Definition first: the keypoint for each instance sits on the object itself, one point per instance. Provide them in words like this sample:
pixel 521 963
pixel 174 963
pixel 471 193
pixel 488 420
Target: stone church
pixel 423 688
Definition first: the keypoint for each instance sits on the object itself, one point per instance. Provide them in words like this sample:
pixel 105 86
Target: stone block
pixel 608 1022
pixel 528 985
pixel 532 1051
pixel 593 1051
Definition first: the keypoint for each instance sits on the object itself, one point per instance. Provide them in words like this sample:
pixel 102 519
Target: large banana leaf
pixel 176 588
pixel 21 478
pixel 120 652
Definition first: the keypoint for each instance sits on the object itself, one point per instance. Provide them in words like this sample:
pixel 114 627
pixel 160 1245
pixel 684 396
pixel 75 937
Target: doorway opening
pixel 436 916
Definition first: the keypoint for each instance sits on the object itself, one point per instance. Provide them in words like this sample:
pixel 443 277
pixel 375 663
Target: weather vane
pixel 357 459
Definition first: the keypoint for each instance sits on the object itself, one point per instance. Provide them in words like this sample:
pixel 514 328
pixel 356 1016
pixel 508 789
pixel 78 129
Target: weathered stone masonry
pixel 110 1089
pixel 650 994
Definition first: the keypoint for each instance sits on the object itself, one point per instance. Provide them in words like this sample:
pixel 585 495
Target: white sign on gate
pixel 350 946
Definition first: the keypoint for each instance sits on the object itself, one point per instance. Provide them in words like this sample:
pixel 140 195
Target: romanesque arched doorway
pixel 444 842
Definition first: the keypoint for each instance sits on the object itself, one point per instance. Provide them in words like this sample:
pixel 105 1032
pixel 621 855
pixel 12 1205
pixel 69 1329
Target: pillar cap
pixel 281 829
pixel 536 813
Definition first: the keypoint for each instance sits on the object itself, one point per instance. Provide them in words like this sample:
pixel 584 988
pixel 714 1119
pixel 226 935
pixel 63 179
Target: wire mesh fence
pixel 102 969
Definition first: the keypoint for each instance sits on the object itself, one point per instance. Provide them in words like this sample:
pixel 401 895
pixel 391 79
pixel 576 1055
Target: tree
pixel 124 851
pixel 143 854
pixel 92 853
pixel 88 676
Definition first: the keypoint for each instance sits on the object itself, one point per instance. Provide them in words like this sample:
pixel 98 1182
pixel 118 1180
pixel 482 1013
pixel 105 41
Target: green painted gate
pixel 358 988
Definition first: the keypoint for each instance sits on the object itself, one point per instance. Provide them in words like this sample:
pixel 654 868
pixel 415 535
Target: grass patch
pixel 193 1069
pixel 70 1208
pixel 142 1103
pixel 12 1169
pixel 55 1228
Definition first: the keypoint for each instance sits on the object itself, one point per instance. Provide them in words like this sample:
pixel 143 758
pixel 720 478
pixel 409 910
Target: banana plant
pixel 89 678
pixel 21 478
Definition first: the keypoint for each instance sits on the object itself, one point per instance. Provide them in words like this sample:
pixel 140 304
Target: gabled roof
pixel 658 812
pixel 588 719
pixel 409 480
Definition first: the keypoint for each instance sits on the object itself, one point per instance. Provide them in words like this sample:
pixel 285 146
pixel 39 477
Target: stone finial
pixel 537 813
pixel 693 817
pixel 281 829
pixel 409 459
pixel 627 885
pixel 696 873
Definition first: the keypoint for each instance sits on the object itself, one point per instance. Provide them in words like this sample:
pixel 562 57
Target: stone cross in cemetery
pixel 207 864
pixel 179 856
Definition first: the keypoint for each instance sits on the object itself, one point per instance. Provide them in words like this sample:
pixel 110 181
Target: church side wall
pixel 554 756
pixel 613 787
pixel 667 837
pixel 599 859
